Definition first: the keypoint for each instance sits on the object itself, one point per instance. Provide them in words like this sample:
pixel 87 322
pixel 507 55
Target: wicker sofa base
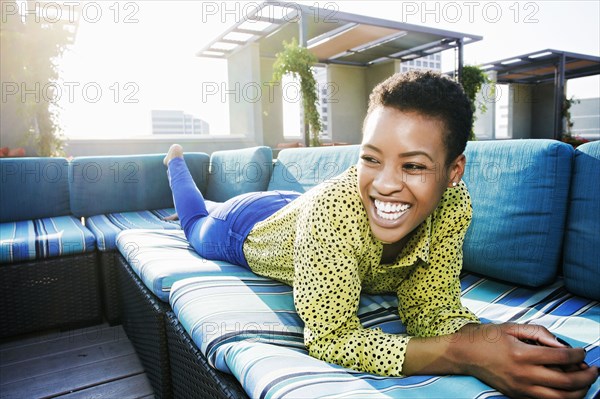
pixel 110 288
pixel 61 292
pixel 143 319
pixel 192 376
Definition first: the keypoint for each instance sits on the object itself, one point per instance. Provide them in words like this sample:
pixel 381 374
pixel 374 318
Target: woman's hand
pixel 546 369
pixel 541 367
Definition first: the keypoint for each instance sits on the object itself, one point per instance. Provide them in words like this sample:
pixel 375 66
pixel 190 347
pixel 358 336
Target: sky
pixel 134 56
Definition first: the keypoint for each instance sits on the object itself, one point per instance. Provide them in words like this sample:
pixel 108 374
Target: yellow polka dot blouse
pixel 322 245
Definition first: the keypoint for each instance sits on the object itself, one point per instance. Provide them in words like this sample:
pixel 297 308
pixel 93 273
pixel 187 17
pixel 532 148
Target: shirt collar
pixel 417 247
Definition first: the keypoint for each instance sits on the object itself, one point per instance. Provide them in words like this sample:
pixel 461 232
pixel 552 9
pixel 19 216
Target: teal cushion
pixel 162 257
pixel 300 169
pixel 107 227
pixel 109 184
pixel 44 238
pixel 519 190
pixel 234 172
pixel 247 327
pixel 33 188
pixel 581 265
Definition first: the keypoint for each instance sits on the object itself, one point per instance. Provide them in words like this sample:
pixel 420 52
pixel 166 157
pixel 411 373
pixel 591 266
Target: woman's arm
pixel 327 286
pixel 497 355
pixel 429 299
pixel 326 296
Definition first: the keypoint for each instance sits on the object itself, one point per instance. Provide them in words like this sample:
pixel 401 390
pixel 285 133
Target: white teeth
pixel 390 210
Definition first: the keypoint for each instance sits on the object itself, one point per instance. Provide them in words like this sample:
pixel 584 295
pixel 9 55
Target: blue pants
pixel 217 231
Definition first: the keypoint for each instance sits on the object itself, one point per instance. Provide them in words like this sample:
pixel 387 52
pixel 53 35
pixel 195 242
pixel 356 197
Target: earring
pixel 454 184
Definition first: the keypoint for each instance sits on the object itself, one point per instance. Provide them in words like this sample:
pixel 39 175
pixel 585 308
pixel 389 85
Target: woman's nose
pixel 388 181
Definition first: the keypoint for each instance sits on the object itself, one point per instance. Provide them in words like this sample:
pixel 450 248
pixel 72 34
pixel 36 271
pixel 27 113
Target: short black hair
pixel 431 94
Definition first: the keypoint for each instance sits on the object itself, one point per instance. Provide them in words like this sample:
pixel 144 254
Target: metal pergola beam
pixel 559 97
pixel 561 66
pixel 306 13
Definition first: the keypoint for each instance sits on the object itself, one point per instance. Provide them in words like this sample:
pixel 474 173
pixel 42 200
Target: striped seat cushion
pixel 248 327
pixel 231 309
pixel 44 238
pixel 161 257
pixel 107 227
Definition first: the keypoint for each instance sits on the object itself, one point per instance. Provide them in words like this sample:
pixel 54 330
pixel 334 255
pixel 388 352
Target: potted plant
pixel 567 136
pixel 299 61
pixel 471 80
pixel 31 46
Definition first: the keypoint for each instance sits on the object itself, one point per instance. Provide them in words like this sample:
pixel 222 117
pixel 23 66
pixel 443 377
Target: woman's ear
pixel 456 170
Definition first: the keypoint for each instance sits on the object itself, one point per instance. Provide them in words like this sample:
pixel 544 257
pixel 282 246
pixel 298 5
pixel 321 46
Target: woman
pixel 395 222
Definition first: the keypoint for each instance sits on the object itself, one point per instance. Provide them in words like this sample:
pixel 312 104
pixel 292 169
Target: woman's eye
pixel 368 159
pixel 413 167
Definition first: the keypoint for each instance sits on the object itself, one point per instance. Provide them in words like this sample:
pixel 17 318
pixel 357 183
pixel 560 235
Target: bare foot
pixel 171 217
pixel 175 151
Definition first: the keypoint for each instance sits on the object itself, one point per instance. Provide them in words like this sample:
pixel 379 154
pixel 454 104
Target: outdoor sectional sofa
pixel 48 262
pixel 131 193
pixel 214 330
pixel 531 256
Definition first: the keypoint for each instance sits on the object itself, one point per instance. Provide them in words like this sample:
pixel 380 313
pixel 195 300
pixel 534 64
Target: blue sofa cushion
pixel 235 172
pixel 251 307
pixel 581 265
pixel 109 184
pixel 107 227
pixel 300 169
pixel 519 191
pixel 162 257
pixel 44 238
pixel 248 326
pixel 33 188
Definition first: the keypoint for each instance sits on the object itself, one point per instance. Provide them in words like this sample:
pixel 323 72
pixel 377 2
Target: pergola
pixel 544 67
pixel 335 37
pixel 359 52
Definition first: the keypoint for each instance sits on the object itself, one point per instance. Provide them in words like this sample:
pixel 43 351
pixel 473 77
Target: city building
pixel 585 115
pixel 177 122
pixel 432 62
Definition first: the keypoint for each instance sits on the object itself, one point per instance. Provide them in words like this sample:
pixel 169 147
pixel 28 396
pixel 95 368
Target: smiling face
pixel 402 171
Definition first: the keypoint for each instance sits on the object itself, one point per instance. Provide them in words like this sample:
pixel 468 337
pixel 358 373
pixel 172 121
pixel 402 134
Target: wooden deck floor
pixel 95 362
